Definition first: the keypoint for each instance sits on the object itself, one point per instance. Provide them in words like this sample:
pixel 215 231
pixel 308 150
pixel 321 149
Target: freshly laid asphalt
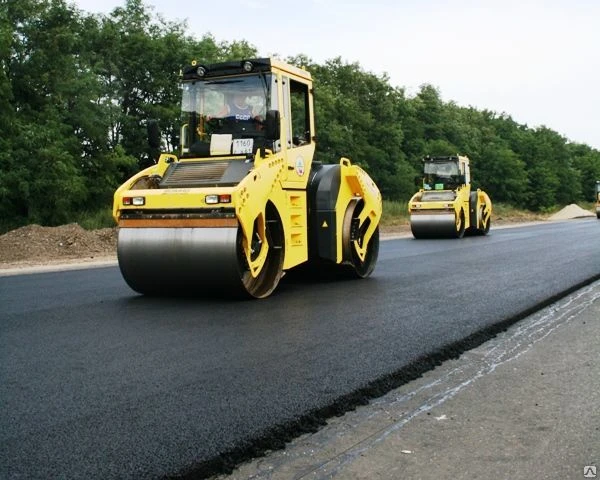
pixel 97 382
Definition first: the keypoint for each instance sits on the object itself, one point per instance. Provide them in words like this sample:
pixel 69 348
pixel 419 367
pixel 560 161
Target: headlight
pixel 213 199
pixel 135 201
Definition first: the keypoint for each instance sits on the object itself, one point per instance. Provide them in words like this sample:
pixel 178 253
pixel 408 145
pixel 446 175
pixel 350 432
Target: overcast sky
pixel 536 60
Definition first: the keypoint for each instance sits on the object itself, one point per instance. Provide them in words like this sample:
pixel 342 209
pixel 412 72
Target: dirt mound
pixel 571 211
pixel 34 243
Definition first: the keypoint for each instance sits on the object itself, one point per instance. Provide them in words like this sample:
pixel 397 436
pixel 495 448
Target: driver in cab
pixel 239 108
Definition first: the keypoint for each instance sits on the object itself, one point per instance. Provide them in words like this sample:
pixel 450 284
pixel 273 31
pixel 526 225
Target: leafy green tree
pixel 48 85
pixel 552 180
pixel 357 117
pixel 586 161
pixel 426 125
pixel 500 172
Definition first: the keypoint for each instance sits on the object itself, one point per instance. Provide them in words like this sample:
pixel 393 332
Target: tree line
pixel 77 89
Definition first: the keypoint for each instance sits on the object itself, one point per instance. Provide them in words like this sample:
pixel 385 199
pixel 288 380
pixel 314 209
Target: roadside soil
pixel 34 245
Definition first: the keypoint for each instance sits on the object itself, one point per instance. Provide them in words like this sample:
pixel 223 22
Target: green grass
pixel 501 211
pixel 95 220
pixel 591 206
pixel 394 213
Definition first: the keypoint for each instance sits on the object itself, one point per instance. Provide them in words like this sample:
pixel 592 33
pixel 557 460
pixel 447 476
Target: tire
pixel 486 228
pixel 459 231
pixel 270 275
pixel 353 266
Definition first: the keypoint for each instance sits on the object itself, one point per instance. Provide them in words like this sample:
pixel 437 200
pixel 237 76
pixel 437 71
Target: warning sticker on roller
pixel 299 167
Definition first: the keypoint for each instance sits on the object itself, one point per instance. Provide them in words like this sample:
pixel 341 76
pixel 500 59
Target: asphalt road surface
pixel 523 405
pixel 99 382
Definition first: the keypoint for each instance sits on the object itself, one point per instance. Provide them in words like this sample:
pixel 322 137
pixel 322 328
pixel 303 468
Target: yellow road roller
pixel 241 202
pixel 597 198
pixel 445 205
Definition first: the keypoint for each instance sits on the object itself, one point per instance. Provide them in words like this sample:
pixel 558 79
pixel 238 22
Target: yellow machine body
pixel 598 199
pixel 243 201
pixel 446 205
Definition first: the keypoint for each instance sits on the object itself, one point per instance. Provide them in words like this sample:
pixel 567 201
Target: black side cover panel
pixel 323 191
pixel 473 210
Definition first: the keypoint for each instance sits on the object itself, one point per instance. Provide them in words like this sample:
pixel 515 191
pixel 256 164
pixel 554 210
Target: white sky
pixel 536 60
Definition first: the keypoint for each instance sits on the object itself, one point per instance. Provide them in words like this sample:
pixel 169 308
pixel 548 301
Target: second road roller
pixel 597 192
pixel 242 202
pixel 446 205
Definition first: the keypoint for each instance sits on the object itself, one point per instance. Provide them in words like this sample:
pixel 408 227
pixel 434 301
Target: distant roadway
pixel 99 382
